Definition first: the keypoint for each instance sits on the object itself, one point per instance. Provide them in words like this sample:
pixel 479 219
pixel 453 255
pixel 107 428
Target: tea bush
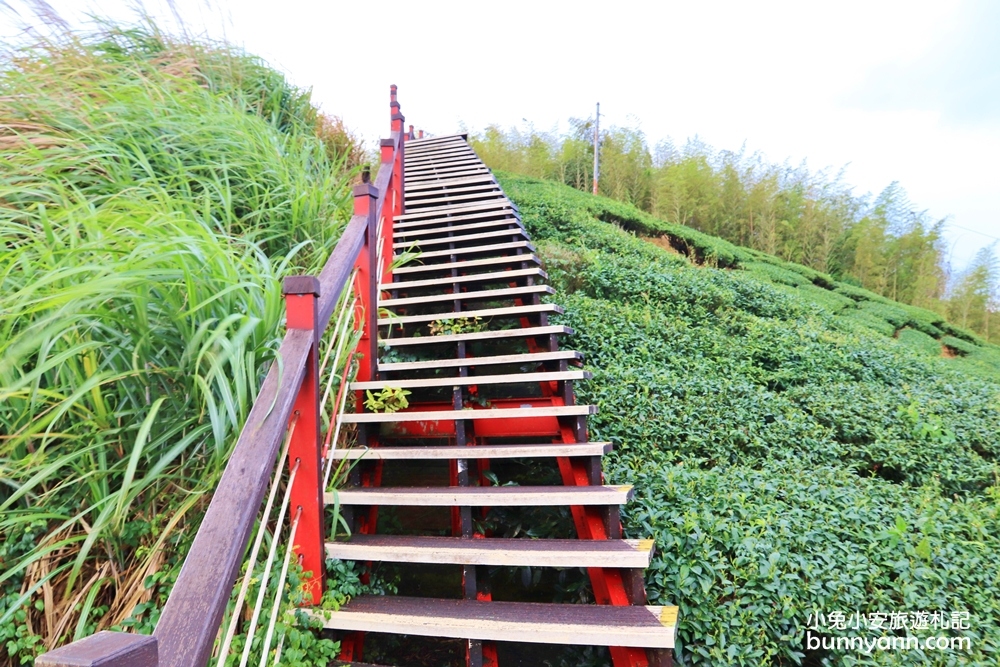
pixel 790 455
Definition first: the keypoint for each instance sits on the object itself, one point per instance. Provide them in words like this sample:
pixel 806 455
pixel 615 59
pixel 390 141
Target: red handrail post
pixel 390 211
pixel 301 296
pixel 398 205
pixel 365 201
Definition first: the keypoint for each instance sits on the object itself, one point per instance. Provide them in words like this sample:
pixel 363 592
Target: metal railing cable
pixel 276 607
pixel 255 550
pixel 266 576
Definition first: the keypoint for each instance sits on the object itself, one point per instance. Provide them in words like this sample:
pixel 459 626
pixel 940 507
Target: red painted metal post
pixel 397 167
pixel 389 209
pixel 365 196
pixel 305 448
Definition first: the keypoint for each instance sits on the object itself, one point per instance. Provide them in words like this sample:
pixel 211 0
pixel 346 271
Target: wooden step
pixel 484 313
pixel 440 163
pixel 469 250
pixel 489 187
pixel 522 332
pixel 481 496
pixel 463 238
pixel 471 180
pixel 455 452
pixel 448 173
pixel 484 278
pixel 475 414
pixel 439 152
pixel 417 236
pixel 453 210
pixel 494 551
pixel 417 205
pixel 504 378
pixel 432 155
pixel 447 221
pixel 479 295
pixel 531 622
pixel 428 142
pixel 467 264
pixel 442 151
pixel 520 359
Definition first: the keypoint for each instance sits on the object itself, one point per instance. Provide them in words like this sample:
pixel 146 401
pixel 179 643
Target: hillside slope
pixel 153 193
pixel 799 446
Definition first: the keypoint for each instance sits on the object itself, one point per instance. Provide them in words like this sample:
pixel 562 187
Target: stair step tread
pixel 486 247
pixel 494 551
pixel 455 171
pixel 414 206
pixel 470 180
pixel 455 452
pixel 484 313
pixel 461 238
pixel 421 196
pixel 507 222
pixel 427 142
pixel 506 378
pixel 493 277
pixel 467 264
pixel 523 332
pixel 442 161
pixel 476 414
pixel 525 358
pixel 482 496
pixel 503 293
pixel 424 156
pixel 456 155
pixel 461 208
pixel 431 156
pixel 532 622
pixel 444 220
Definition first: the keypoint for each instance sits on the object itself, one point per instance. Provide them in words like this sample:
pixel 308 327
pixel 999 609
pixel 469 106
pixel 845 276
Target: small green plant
pixel 388 399
pixel 457 325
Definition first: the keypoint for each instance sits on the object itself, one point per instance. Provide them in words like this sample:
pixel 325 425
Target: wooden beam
pixel 481 496
pixel 506 378
pixel 531 622
pixel 524 332
pixel 454 452
pixel 513 311
pixel 447 266
pixel 493 551
pixel 520 359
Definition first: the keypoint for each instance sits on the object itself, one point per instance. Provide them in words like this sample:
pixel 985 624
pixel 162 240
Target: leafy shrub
pixel 789 455
pixel 920 341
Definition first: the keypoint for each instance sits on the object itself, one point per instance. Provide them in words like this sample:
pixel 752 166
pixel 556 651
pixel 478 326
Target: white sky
pixel 896 90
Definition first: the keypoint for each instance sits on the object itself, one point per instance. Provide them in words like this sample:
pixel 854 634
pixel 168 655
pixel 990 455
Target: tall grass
pixel 153 192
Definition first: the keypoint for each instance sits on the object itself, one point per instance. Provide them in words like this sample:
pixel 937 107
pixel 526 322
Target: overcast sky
pixel 896 91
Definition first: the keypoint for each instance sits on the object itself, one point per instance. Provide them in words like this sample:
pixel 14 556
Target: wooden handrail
pixel 190 621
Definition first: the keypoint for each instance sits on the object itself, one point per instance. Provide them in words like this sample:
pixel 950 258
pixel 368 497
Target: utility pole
pixel 597 147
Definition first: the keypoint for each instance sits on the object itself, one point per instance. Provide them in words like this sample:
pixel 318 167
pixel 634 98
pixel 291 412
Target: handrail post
pixel 389 213
pixel 399 206
pixel 365 199
pixel 304 450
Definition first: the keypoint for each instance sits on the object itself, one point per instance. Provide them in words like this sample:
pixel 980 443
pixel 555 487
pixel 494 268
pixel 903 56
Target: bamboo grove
pixel 882 243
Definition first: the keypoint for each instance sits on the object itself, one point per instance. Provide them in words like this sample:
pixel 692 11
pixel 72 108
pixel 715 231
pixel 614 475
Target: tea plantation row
pixel 798 445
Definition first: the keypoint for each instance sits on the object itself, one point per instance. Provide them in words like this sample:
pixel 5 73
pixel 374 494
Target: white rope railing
pixel 266 576
pixel 255 551
pixel 276 607
pixel 337 422
pixel 348 300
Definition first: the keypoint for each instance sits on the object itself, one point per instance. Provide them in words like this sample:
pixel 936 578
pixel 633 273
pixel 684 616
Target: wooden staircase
pixel 497 387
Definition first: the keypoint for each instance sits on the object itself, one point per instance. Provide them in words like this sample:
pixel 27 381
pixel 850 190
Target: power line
pixel 974 231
